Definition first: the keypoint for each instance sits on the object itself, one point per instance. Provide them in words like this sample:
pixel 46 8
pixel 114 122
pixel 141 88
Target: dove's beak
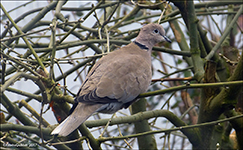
pixel 167 39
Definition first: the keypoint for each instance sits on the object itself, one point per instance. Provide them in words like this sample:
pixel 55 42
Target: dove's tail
pixel 81 113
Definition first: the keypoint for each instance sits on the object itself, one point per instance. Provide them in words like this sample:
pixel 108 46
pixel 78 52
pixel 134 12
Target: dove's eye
pixel 156 31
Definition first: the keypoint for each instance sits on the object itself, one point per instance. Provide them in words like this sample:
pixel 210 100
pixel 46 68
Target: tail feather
pixel 81 113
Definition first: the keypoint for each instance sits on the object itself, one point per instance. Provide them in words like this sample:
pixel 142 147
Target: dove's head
pixel 151 34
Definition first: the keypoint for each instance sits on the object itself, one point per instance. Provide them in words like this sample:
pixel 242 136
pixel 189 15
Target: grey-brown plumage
pixel 115 80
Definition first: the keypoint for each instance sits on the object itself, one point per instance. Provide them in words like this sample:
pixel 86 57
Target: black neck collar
pixel 141 45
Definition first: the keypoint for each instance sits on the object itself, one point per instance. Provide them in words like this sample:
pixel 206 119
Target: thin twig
pixel 40 122
pixel 173 79
pixel 68 142
pixel 162 14
pixel 108 39
pixel 85 57
pixel 107 125
pixel 25 34
pixel 88 143
pixel 228 60
pixel 122 135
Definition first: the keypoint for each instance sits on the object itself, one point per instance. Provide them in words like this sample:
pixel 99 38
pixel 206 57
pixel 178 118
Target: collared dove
pixel 115 80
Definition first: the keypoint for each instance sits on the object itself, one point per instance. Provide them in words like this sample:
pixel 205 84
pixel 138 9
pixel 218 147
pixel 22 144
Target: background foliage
pixel 195 97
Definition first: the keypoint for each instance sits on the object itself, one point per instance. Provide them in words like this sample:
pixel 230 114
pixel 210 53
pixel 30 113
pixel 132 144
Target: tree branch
pixel 29 129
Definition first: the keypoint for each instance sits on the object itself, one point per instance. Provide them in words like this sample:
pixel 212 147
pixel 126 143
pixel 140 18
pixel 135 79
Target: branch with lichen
pixel 189 86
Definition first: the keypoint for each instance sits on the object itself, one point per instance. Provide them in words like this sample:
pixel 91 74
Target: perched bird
pixel 115 80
